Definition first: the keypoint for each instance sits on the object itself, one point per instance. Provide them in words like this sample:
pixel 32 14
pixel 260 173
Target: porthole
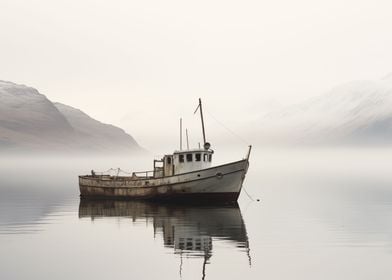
pixel 219 175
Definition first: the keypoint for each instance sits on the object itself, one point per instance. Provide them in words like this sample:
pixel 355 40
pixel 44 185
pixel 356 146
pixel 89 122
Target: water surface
pixel 322 215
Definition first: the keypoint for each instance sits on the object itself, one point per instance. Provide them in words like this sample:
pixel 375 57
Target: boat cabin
pixel 188 160
pixel 182 162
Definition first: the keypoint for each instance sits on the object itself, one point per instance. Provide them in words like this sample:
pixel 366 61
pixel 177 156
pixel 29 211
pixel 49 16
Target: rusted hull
pixel 221 183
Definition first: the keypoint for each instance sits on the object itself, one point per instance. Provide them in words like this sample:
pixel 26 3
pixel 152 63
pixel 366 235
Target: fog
pixel 142 65
pixel 321 212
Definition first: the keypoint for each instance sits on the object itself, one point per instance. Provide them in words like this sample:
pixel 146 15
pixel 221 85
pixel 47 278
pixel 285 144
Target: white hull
pixel 222 182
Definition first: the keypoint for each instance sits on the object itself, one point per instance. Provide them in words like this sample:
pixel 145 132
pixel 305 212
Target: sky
pixel 143 64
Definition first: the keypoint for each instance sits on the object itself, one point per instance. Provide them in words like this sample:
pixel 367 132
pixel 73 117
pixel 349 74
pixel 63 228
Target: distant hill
pixel 31 122
pixel 105 137
pixel 356 113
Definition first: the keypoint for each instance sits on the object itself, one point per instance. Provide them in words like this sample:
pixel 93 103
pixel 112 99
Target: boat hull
pixel 220 183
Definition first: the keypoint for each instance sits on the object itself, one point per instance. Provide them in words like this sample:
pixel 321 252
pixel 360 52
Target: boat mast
pixel 206 145
pixel 202 120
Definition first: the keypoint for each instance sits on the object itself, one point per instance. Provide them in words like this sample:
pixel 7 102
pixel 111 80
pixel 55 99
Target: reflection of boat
pixel 184 174
pixel 189 229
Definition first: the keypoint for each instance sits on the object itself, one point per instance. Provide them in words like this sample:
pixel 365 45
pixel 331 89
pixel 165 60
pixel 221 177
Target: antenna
pixel 187 140
pixel 180 134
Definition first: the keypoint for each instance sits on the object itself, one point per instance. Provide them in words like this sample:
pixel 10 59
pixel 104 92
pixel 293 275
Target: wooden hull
pixel 220 183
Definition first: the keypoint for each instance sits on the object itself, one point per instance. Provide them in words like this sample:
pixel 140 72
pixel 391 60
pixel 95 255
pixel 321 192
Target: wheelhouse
pixel 191 160
pixel 182 162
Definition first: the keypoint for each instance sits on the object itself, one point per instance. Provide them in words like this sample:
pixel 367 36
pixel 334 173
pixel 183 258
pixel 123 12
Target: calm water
pixel 321 215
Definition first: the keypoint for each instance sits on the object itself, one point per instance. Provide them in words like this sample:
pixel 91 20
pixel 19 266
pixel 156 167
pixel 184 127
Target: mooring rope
pixel 251 198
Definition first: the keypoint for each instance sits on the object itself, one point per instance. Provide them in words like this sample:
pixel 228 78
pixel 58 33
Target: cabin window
pixel 181 158
pixel 168 160
pixel 198 157
pixel 205 157
pixel 188 157
pixel 209 157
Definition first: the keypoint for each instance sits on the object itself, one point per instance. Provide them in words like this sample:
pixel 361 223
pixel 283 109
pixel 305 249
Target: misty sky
pixel 142 64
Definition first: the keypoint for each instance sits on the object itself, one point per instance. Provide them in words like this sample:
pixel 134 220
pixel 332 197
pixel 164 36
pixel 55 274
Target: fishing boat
pixel 184 175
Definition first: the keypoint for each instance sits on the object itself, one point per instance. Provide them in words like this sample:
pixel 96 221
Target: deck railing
pixel 143 174
pixel 135 175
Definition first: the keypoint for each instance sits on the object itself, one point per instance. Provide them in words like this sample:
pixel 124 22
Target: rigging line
pixel 123 171
pixel 228 129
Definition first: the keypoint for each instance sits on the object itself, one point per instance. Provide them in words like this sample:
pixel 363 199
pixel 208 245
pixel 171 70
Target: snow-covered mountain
pixel 31 122
pixel 93 133
pixel 358 112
